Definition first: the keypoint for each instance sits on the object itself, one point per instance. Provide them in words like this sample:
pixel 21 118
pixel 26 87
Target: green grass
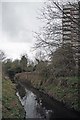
pixel 11 106
pixel 68 94
pixel 61 88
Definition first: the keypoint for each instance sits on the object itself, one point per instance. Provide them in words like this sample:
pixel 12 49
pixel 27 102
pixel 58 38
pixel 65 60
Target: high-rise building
pixel 71 28
pixel 70 23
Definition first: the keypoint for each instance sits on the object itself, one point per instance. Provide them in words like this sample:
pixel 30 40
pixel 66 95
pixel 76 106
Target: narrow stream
pixel 33 106
pixel 39 105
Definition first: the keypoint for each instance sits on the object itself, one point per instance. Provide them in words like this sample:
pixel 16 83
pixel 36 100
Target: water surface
pixel 39 105
pixel 34 106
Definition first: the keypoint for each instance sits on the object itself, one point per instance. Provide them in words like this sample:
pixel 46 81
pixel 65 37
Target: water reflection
pixel 34 107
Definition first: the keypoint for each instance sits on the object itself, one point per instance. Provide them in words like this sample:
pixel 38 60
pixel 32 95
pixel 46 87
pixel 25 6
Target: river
pixel 39 105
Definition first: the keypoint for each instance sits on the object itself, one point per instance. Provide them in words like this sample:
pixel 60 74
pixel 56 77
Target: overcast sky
pixel 19 20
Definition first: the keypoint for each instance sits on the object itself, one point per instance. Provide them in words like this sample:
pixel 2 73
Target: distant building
pixel 71 28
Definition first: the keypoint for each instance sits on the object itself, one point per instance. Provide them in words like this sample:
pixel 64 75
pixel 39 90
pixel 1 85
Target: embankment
pixel 11 106
pixel 63 89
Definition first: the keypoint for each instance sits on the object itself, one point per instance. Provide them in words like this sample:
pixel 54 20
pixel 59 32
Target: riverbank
pixel 62 89
pixel 40 105
pixel 11 106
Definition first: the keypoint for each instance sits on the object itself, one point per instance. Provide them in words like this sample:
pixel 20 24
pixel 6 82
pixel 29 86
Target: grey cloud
pixel 10 23
pixel 18 21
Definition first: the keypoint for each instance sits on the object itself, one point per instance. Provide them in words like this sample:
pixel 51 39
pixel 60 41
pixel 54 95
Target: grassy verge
pixel 65 90
pixel 11 106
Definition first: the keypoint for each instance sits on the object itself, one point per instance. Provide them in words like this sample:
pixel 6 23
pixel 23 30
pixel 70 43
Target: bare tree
pixel 66 58
pixel 50 36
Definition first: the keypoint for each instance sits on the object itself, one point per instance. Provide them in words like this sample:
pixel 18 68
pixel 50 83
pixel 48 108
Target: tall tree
pixel 51 36
pixel 24 62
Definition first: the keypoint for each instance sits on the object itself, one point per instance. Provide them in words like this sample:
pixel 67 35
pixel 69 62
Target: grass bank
pixel 64 89
pixel 11 106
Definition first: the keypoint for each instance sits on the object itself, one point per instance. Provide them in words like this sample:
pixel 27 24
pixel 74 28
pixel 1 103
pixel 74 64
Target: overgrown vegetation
pixel 65 89
pixel 55 76
pixel 11 106
pixel 58 74
pixel 10 67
